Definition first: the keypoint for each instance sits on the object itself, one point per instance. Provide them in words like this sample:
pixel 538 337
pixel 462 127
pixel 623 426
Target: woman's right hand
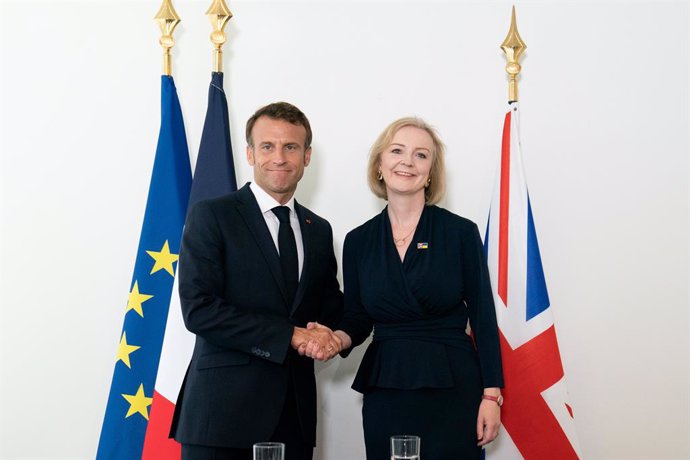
pixel 346 341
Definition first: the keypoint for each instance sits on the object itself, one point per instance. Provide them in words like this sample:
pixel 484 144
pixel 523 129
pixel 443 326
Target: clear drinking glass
pixel 405 447
pixel 269 451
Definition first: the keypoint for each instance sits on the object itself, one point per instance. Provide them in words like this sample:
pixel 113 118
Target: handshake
pixel 319 342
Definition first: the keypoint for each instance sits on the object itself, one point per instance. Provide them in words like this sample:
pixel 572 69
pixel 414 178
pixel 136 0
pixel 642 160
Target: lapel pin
pixel 308 220
pixel 423 245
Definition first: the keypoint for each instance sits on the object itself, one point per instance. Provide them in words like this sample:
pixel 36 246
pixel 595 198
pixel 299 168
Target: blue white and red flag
pixel 214 175
pixel 536 415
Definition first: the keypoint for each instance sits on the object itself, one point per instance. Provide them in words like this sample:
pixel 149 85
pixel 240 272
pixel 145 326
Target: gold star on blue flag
pixel 127 413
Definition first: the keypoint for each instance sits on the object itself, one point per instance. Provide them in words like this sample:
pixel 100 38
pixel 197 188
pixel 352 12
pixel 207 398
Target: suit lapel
pixel 251 213
pixel 305 227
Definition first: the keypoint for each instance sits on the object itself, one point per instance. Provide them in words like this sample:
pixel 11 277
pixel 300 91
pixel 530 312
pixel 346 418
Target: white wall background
pixel 604 101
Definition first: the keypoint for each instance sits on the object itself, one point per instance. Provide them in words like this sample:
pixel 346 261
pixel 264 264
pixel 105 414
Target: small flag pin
pixel 423 245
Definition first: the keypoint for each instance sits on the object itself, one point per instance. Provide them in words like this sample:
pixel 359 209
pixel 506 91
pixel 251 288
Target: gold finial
pixel 513 47
pixel 167 20
pixel 219 14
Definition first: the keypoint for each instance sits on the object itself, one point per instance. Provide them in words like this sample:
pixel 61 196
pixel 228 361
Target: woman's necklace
pixel 401 241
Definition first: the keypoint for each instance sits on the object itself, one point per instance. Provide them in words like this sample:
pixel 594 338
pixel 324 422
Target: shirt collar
pixel 266 202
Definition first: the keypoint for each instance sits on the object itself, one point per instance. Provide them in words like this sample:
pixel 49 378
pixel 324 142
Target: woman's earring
pixel 428 182
pixel 380 176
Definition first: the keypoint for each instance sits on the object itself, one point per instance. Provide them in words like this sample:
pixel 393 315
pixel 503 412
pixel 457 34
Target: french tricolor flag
pixel 214 175
pixel 536 415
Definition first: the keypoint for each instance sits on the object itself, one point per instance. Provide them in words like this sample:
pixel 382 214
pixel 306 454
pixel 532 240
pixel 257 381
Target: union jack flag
pixel 537 417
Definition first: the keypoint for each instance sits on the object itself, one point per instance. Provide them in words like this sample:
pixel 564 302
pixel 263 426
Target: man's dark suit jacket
pixel 233 298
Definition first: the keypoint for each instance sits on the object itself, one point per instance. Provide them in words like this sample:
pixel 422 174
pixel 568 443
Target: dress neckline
pixel 390 240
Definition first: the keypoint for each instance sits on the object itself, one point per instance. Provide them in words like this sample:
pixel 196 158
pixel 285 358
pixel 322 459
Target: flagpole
pixel 219 14
pixel 167 20
pixel 513 47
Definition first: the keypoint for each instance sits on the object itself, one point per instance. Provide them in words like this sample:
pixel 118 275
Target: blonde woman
pixel 415 274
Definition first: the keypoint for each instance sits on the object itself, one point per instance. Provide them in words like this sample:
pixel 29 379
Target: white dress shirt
pixel 266 204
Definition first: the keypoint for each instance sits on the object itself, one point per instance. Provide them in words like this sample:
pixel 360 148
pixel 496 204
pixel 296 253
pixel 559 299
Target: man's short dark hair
pixel 280 111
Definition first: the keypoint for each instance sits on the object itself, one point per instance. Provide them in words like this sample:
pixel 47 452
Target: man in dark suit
pixel 255 267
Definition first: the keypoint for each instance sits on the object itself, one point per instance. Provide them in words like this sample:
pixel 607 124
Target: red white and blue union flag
pixel 536 415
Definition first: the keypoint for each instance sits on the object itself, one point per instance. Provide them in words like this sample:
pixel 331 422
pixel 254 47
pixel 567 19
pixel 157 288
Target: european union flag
pixel 127 413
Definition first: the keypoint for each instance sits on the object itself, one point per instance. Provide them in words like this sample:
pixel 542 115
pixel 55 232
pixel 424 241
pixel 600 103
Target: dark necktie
pixel 288 251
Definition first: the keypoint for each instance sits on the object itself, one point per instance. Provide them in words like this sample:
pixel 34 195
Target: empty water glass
pixel 405 447
pixel 269 451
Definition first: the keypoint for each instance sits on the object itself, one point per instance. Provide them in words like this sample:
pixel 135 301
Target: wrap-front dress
pixel 422 374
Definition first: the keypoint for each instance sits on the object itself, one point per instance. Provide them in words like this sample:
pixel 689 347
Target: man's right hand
pixel 317 342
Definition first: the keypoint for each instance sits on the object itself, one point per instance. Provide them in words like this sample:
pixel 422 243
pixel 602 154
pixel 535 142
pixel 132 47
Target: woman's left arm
pixel 489 416
pixel 482 315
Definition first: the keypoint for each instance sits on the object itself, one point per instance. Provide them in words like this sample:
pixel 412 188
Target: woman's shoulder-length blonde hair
pixel 437 187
